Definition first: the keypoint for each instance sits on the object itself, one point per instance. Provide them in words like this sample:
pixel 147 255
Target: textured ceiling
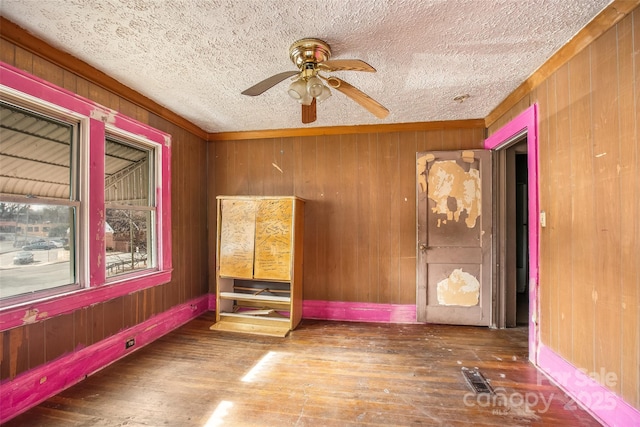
pixel 194 57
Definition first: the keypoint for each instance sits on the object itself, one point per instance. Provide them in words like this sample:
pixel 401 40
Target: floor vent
pixel 476 381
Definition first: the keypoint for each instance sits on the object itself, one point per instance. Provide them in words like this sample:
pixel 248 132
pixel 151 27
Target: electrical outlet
pixel 130 343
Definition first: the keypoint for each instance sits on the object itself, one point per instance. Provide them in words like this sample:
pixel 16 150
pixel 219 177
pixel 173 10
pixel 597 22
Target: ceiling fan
pixel 311 56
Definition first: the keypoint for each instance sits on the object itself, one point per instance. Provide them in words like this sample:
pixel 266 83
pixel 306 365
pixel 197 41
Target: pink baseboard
pixel 602 403
pixel 37 385
pixel 359 311
pixel 351 311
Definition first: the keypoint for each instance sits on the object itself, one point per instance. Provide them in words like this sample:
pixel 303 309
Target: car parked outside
pixel 23 258
pixel 39 245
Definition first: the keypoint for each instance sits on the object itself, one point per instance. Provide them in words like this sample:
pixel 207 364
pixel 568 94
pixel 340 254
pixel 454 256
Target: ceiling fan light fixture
pixel 326 93
pixel 306 99
pixel 314 86
pixel 297 89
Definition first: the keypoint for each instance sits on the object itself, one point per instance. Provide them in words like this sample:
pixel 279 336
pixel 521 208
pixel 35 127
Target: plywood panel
pixel 48 71
pixel 363 284
pixel 386 172
pixel 561 215
pixel 583 268
pixel 7 52
pixel 18 352
pixel 35 335
pixel 306 187
pixel 607 209
pixel 257 168
pixel 130 308
pixel 81 328
pixel 552 203
pixel 23 60
pixel 406 201
pixel 350 221
pixel 113 316
pixel 286 161
pixel 629 141
pixel 395 211
pixel 329 227
pixel 58 336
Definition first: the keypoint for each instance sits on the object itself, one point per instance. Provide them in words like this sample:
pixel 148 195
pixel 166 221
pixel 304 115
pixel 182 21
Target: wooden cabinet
pixel 259 264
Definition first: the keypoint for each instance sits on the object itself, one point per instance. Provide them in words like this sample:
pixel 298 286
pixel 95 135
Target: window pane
pixel 32 259
pixel 35 154
pixel 127 175
pixel 128 240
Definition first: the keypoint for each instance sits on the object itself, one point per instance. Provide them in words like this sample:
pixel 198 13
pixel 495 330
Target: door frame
pixel 527 123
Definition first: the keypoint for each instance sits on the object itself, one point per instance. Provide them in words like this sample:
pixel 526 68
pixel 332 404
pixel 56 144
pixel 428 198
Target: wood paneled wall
pixel 29 346
pixel 360 215
pixel 590 189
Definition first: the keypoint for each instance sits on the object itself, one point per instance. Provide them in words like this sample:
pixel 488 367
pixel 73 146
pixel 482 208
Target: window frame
pixel 96 121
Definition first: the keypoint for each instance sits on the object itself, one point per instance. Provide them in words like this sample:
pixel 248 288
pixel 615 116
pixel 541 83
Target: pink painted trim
pixel 602 403
pixel 37 385
pixel 97 214
pixel 359 311
pixel 66 303
pixel 527 121
pixel 99 119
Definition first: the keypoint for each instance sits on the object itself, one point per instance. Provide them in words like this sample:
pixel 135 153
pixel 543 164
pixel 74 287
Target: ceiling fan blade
pixel 268 83
pixel 345 65
pixel 358 96
pixel 309 112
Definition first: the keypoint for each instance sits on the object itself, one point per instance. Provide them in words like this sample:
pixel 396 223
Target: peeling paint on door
pixel 454 190
pixel 460 288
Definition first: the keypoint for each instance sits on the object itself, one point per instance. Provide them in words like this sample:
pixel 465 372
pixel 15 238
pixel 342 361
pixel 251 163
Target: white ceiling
pixel 194 57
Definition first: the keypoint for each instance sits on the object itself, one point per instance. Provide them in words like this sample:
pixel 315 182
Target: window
pixel 84 200
pixel 130 207
pixel 38 158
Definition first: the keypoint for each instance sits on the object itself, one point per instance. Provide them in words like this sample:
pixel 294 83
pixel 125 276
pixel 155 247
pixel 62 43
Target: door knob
pixel 423 247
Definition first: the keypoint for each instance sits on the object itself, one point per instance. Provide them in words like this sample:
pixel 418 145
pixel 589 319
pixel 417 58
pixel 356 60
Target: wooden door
pixel 454 237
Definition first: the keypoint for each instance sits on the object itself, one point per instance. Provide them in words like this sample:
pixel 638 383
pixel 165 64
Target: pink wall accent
pixel 37 385
pixel 99 119
pixel 601 402
pixel 359 311
pixel 527 121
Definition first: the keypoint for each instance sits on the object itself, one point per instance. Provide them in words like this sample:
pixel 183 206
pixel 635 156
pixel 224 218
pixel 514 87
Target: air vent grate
pixel 477 381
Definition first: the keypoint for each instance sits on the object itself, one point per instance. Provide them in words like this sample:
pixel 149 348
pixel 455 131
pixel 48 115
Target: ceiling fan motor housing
pixel 306 53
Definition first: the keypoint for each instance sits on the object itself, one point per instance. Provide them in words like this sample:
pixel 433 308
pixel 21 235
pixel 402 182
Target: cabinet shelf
pixel 260 318
pixel 250 297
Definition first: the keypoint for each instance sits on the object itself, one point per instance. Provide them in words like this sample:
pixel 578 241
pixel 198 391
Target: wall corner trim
pixel 37 385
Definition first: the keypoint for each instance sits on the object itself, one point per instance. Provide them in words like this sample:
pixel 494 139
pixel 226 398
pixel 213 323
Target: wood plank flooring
pixel 322 374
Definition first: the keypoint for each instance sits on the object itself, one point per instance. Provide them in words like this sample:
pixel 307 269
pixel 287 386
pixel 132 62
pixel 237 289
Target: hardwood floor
pixel 322 374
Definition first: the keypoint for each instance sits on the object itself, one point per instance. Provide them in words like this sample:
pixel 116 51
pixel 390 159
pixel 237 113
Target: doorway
pixel 512 241
pixel 523 127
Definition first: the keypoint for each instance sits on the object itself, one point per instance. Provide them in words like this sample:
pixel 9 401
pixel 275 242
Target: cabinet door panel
pixel 273 240
pixel 237 231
